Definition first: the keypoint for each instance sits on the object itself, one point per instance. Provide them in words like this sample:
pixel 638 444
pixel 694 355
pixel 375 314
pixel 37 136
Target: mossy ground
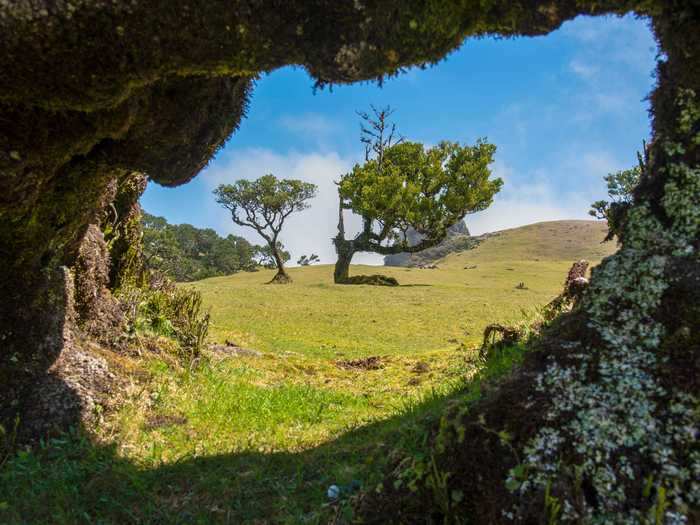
pixel 258 439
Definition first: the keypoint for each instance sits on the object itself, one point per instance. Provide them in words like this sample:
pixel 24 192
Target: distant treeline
pixel 187 253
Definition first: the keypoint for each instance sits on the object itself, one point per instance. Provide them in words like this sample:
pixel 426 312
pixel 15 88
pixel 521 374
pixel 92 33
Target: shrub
pixel 157 308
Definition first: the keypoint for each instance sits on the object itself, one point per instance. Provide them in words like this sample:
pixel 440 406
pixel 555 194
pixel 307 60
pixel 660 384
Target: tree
pixel 404 187
pixel 266 258
pixel 621 185
pixel 186 253
pixel 305 260
pixel 264 204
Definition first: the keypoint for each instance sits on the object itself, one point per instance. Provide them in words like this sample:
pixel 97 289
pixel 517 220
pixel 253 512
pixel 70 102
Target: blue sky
pixel 563 111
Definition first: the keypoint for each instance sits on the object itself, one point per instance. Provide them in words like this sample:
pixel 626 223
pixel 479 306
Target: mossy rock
pixel 374 280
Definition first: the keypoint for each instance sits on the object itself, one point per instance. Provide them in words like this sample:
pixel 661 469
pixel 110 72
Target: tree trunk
pixel 342 266
pixel 281 277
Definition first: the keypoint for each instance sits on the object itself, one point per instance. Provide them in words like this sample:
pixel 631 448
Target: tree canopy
pixel 621 185
pixel 405 188
pixel 426 190
pixel 264 205
pixel 187 253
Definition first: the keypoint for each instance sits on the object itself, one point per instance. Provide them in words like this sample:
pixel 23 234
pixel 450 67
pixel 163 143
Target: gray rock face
pixel 457 239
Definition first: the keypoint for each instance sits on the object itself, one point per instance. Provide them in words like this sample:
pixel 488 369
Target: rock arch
pixel 93 90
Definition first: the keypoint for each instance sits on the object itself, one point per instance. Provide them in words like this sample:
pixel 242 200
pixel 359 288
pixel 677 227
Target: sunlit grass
pixel 432 310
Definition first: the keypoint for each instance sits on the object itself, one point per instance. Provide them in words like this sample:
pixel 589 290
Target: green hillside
pixel 432 310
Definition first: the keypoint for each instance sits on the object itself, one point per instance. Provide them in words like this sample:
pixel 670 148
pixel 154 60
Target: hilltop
pixel 549 240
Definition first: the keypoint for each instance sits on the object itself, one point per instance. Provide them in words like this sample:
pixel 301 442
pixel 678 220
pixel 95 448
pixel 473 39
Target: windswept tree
pixel 265 257
pixel 306 260
pixel 621 185
pixel 405 188
pixel 264 204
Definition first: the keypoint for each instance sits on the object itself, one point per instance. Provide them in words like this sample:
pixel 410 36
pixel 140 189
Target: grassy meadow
pixel 432 310
pixel 258 438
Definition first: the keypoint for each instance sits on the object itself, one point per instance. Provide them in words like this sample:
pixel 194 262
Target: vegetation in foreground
pixel 257 433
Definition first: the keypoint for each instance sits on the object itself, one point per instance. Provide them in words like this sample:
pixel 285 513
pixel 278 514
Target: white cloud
pixel 304 233
pixel 527 203
pixel 309 123
pixel 613 60
pixel 584 70
pixel 622 39
pixel 535 197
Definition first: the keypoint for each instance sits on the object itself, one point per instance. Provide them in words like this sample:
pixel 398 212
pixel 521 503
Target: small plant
pixel 160 309
pixel 191 324
pixel 307 260
pixel 552 505
pixel 509 336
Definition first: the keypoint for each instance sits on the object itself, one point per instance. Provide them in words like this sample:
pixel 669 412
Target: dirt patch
pixel 421 367
pixel 229 349
pixel 367 363
pixel 156 421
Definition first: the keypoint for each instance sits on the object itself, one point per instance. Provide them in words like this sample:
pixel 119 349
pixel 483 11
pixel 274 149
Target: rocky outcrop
pixel 121 223
pixel 43 319
pixel 99 314
pixel 78 389
pixel 62 182
pixel 457 239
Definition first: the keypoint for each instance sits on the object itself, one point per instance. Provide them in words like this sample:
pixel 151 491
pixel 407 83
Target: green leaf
pixel 505 437
pixel 512 484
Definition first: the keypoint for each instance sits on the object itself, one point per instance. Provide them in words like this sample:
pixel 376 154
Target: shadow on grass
pixel 74 480
pixel 71 479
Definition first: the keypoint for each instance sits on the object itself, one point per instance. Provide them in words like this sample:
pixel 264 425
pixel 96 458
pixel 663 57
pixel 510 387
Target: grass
pixel 432 310
pixel 258 439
